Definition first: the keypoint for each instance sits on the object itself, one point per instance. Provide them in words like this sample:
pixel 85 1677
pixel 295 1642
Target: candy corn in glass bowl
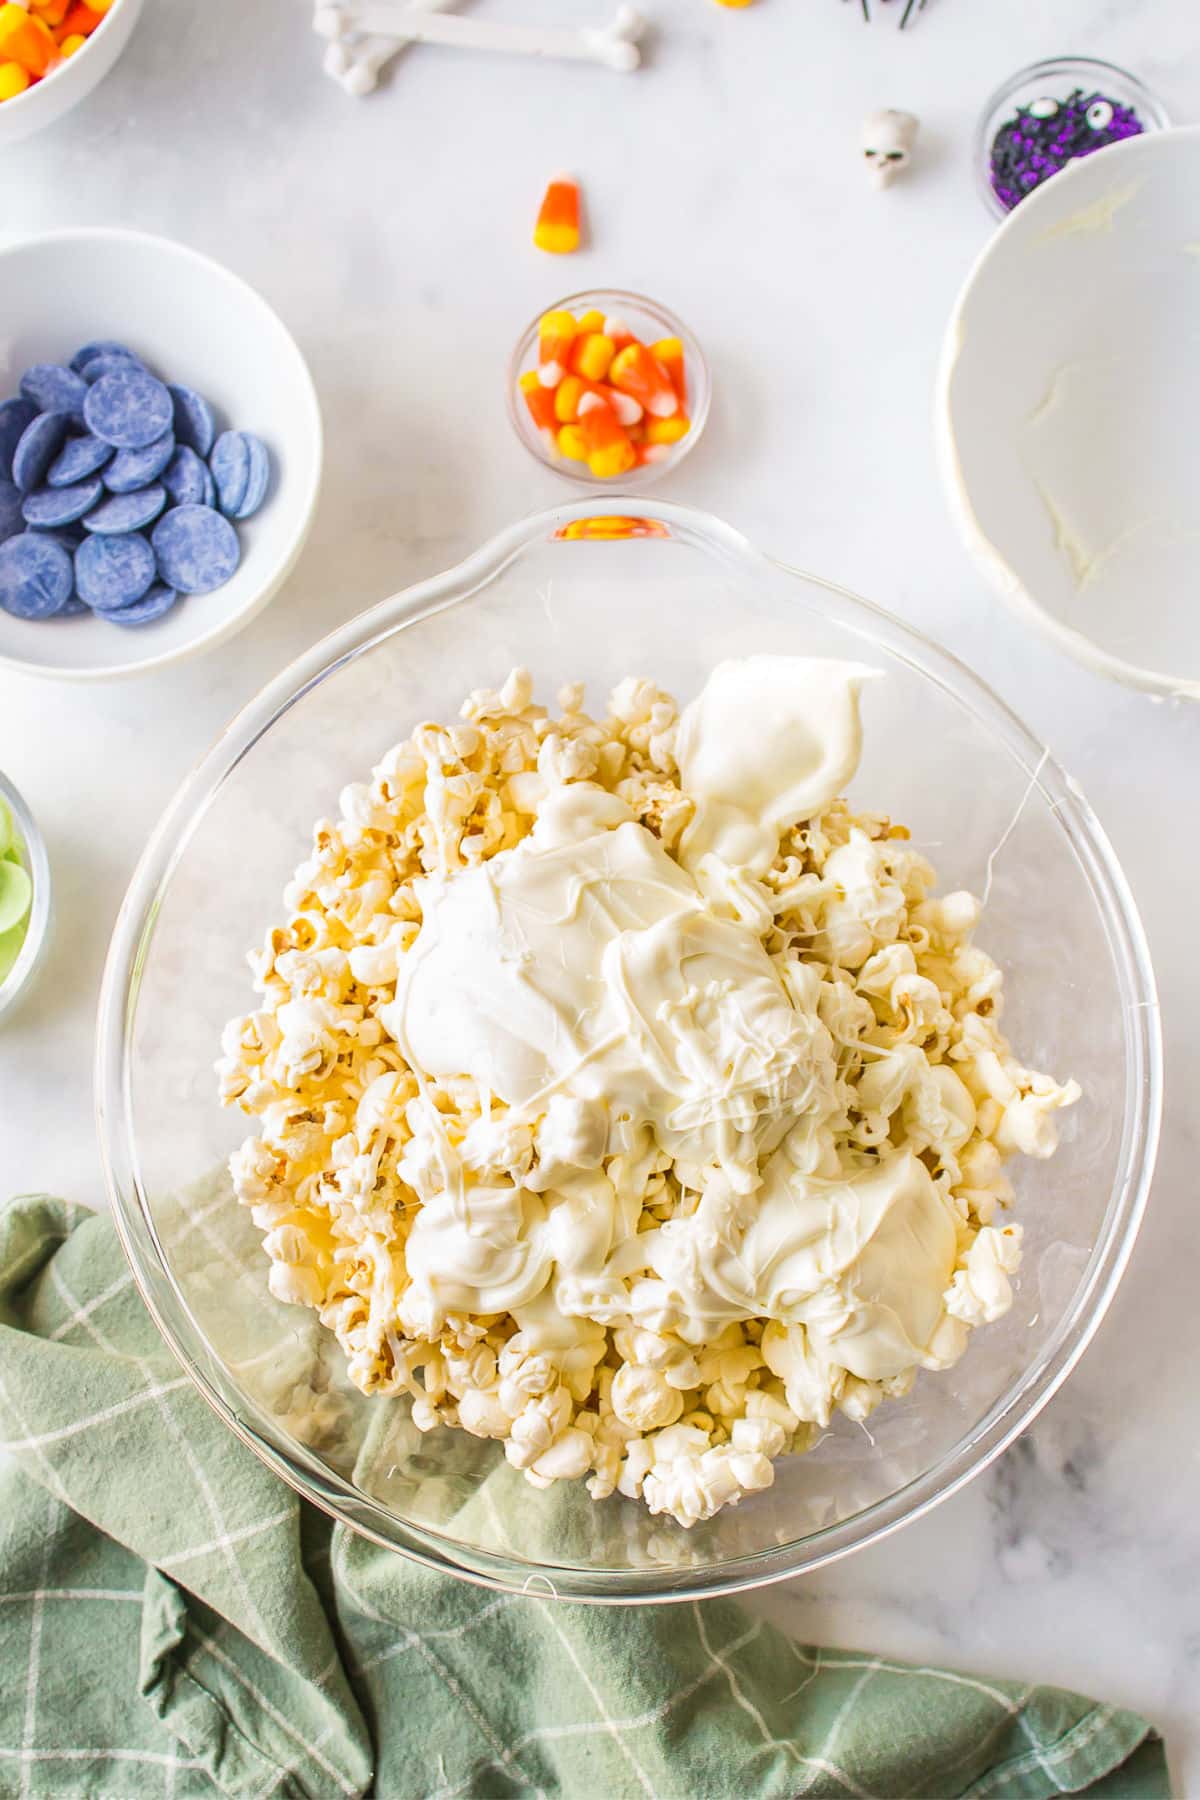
pixel 608 387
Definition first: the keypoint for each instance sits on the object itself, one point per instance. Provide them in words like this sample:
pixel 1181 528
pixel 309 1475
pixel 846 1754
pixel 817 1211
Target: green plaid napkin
pixel 175 1622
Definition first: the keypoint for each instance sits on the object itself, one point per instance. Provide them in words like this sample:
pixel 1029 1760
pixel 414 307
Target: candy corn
pixel 591 354
pixel 571 444
pixel 26 41
pixel 555 338
pixel 609 451
pixel 600 396
pixel 669 352
pixel 37 37
pixel 667 431
pixel 557 228
pixel 637 371
pixel 539 400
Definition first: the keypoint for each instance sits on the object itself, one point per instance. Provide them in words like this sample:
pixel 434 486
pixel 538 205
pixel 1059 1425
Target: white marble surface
pixel 393 237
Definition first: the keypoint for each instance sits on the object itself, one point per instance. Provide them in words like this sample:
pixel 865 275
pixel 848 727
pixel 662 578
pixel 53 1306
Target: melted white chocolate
pixel 587 964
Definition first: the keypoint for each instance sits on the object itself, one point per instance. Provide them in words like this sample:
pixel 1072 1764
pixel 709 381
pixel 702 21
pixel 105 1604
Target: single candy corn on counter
pixel 608 386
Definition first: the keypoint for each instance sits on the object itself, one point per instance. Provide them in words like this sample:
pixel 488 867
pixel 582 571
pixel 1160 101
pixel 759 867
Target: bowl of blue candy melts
pixel 160 454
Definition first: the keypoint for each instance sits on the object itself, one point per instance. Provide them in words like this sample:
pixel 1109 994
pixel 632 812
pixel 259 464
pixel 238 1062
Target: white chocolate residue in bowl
pixel 625 1097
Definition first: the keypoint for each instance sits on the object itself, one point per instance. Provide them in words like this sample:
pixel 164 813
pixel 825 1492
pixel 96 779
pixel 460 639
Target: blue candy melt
pixel 78 458
pixel 126 512
pixel 107 363
pixel 72 609
pixel 85 356
pixel 132 469
pixel 69 536
pixel 12 519
pixel 257 478
pixel 39 444
pixel 159 600
pixel 186 478
pixel 15 417
pixel 111 572
pixel 61 506
pixel 194 422
pixel 196 549
pixel 230 465
pixel 36 576
pixel 54 389
pixel 128 408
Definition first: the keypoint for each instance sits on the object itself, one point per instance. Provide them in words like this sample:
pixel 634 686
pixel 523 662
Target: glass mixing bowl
pixel 600 591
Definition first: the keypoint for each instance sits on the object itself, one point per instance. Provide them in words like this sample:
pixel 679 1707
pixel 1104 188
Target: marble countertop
pixel 392 235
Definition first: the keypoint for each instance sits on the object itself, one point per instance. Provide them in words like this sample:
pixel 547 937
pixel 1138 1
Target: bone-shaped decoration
pixel 355 60
pixel 614 45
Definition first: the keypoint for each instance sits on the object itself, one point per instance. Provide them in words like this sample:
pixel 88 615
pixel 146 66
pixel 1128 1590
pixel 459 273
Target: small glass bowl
pixel 32 851
pixel 1055 79
pixel 648 321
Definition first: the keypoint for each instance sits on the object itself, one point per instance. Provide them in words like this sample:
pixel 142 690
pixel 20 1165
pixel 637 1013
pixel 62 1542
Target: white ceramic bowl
pixel 49 99
pixel 1066 411
pixel 193 322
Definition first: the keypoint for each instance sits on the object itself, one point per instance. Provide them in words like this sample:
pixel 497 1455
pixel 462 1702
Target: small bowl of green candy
pixel 24 895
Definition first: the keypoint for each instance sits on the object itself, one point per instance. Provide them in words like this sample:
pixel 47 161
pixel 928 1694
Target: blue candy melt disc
pixel 128 408
pixel 12 519
pixel 111 572
pixel 39 444
pixel 15 417
pixel 61 506
pixel 194 422
pixel 84 357
pixel 133 469
pixel 186 478
pixel 258 476
pixel 36 576
pixel 78 458
pixel 126 512
pixel 196 549
pixel 230 465
pixel 54 389
pixel 153 605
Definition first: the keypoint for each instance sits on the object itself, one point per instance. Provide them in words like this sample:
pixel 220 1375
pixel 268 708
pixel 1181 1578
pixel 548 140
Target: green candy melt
pixel 16 895
pixel 10 947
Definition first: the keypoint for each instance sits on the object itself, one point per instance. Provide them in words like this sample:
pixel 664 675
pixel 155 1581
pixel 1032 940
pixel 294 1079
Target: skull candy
pixel 888 139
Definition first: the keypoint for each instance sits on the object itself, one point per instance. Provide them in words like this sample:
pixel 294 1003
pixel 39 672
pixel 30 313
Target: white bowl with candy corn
pixel 608 386
pixel 55 58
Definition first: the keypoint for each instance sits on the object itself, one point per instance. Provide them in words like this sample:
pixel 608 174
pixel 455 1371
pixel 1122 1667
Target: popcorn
pixel 530 1273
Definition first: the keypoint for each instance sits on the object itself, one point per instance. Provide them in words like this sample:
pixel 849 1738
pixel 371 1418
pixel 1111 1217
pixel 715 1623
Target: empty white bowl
pixel 1066 413
pixel 194 322
pixel 74 78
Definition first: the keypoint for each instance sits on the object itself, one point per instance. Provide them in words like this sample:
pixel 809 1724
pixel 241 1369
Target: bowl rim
pixel 577 474
pixel 32 96
pixel 988 556
pixel 41 911
pixel 286 562
pixel 1007 1417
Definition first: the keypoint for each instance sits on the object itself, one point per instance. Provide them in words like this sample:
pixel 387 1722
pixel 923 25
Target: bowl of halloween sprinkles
pixel 1050 115
pixel 608 386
